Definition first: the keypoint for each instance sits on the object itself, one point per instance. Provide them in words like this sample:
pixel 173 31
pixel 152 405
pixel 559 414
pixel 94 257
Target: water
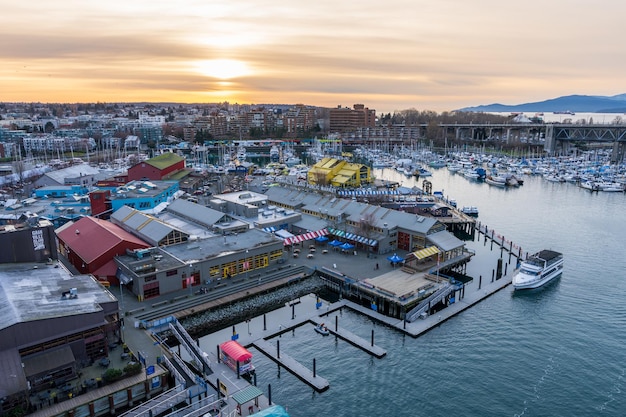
pixel 557 351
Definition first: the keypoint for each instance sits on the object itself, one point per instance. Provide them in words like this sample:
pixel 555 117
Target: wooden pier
pixel 505 244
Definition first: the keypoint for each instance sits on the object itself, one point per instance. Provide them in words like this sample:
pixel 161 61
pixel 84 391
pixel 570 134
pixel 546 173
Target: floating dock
pixel 296 368
pixel 351 338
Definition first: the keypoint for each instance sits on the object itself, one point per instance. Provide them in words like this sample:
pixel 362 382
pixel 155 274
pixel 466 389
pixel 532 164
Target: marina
pixel 411 295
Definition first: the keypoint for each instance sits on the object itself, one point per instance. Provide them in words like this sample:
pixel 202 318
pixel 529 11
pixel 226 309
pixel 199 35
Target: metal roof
pixel 247 394
pixel 73 171
pixel 151 229
pixel 196 212
pixel 89 237
pixel 445 240
pixel 30 292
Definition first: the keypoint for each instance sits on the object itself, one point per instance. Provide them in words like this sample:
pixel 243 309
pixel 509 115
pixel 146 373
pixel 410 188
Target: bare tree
pixel 367 224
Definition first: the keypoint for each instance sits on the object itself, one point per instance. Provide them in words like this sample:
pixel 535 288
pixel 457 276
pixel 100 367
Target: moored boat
pixel 538 269
pixel 470 211
pixel 322 329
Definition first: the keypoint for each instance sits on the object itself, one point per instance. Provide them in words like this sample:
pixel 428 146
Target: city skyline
pixel 390 56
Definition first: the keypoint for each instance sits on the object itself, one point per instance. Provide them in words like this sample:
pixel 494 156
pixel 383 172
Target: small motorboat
pixel 322 329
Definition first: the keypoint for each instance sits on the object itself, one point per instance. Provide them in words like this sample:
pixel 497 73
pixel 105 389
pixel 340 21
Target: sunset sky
pixel 389 55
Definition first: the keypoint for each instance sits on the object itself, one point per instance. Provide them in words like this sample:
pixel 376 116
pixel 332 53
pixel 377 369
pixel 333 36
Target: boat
pixel 322 329
pixel 496 180
pixel 455 167
pixel 538 270
pixel 470 211
pixel 274 154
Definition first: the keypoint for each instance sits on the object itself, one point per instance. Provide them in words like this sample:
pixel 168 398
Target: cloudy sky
pixel 389 55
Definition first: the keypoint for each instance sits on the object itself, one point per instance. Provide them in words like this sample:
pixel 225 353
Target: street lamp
pixel 190 279
pixel 247 264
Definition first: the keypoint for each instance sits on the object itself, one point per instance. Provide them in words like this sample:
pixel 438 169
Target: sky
pixel 388 55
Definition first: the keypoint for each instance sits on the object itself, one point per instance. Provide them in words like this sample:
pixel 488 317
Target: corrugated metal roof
pixel 89 237
pixel 196 212
pixel 151 229
pixel 247 394
pixel 445 240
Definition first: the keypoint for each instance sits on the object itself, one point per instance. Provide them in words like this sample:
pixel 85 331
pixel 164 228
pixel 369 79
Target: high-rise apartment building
pixel 343 119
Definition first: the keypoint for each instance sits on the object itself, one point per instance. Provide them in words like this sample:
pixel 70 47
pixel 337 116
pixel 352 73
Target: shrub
pixel 132 368
pixel 112 375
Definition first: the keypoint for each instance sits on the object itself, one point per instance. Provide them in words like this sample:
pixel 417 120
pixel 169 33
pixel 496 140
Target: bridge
pixel 556 138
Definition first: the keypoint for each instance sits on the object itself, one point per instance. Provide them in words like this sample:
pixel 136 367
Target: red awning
pixel 235 351
pixel 305 236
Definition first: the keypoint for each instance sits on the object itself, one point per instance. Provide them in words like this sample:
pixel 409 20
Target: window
pixel 172 272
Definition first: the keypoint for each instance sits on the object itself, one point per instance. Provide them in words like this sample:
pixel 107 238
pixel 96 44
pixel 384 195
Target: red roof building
pixel 90 244
pixel 233 354
pixel 157 168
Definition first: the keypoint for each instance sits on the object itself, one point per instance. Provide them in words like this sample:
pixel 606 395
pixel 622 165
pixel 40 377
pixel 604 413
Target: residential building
pixel 344 119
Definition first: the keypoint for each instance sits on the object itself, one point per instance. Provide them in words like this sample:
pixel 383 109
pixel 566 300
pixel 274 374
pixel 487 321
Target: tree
pixel 367 224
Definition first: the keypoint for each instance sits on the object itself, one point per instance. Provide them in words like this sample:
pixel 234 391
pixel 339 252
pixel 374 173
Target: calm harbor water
pixel 557 351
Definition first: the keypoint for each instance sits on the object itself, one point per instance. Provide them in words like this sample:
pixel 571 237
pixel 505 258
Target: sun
pixel 223 69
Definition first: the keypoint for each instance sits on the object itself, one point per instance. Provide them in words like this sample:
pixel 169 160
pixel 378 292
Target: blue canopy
pixel 334 242
pixel 321 239
pixel 347 246
pixel 395 258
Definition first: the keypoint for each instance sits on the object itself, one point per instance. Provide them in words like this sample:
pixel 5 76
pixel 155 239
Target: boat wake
pixel 550 369
pixel 615 389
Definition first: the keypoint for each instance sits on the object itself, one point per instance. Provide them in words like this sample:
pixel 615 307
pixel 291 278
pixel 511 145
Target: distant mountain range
pixel 574 103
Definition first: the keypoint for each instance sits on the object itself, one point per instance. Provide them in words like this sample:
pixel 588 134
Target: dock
pixel 260 341
pixel 296 368
pixel 351 338
pixel 421 326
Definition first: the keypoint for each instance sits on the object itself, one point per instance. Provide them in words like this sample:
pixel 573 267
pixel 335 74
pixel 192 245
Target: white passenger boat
pixel 538 269
pixel 470 211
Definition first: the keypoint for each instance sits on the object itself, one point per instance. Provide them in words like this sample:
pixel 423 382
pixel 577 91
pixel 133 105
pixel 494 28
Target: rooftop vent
pixel 72 293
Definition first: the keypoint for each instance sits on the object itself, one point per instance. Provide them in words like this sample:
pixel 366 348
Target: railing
pixel 433 299
pixel 160 404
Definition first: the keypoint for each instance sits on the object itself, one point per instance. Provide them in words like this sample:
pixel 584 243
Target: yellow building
pixel 339 173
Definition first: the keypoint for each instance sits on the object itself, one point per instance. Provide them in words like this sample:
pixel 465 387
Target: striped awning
pixel 349 193
pixel 426 252
pixel 304 236
pixel 270 229
pixel 353 237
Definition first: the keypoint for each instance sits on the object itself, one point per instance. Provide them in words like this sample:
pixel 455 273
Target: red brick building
pixel 343 119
